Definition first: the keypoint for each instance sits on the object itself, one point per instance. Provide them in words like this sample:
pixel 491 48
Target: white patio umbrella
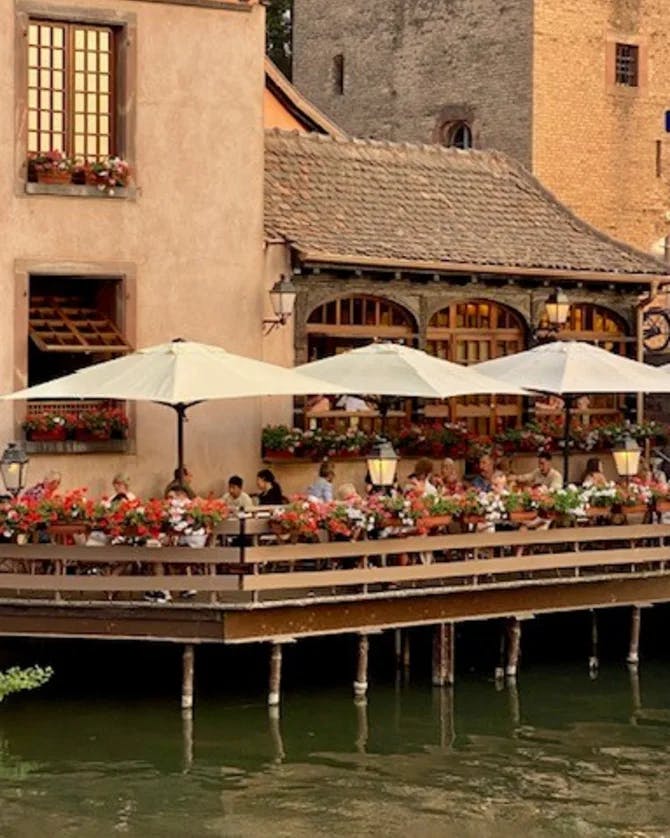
pixel 390 369
pixel 572 368
pixel 179 374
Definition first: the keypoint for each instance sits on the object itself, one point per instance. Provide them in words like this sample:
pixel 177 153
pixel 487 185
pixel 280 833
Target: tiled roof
pixel 369 202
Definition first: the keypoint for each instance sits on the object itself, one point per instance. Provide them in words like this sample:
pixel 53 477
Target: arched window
pixel 470 332
pixel 457 135
pixel 353 321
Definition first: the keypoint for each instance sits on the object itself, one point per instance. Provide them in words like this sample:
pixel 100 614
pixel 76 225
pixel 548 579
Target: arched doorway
pixel 468 332
pixel 356 320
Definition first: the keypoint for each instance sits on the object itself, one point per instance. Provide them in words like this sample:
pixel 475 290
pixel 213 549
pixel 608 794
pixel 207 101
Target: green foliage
pixel 278 34
pixel 16 679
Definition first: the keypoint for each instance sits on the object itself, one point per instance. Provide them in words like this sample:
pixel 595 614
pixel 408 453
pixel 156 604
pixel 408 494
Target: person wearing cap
pixel 121 482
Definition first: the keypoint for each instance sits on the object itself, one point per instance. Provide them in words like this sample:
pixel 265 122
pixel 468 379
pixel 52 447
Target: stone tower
pixel 577 90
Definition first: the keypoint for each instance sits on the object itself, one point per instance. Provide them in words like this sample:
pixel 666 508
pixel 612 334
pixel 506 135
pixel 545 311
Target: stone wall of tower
pixel 412 65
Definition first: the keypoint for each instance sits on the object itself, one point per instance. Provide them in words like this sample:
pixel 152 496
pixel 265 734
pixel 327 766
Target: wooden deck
pixel 263 593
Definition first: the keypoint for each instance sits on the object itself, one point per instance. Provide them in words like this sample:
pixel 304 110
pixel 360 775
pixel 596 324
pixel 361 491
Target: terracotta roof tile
pixel 368 200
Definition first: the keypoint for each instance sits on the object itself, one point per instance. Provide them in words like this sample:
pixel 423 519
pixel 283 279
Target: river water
pixel 560 755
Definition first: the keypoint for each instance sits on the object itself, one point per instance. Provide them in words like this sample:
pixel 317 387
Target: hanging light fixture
pixel 557 308
pixel 14 467
pixel 282 297
pixel 627 457
pixel 382 463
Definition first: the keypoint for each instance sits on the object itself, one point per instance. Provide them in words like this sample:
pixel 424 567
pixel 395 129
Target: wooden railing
pixel 235 574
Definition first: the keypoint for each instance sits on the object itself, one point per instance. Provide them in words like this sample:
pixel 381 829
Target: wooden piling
pixel 275 675
pixel 513 647
pixel 635 624
pixel 406 650
pixel 187 677
pixel 361 682
pixel 593 658
pixel 499 672
pixel 443 655
pixel 397 647
pixel 187 738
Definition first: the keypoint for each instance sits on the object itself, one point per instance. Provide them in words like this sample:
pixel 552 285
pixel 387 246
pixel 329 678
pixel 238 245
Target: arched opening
pixel 457 135
pixel 352 321
pixel 469 332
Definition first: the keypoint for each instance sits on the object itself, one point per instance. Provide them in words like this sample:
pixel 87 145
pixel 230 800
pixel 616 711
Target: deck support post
pixel 397 647
pixel 634 649
pixel 361 682
pixel 513 647
pixel 499 671
pixel 443 655
pixel 593 658
pixel 187 677
pixel 275 675
pixel 405 651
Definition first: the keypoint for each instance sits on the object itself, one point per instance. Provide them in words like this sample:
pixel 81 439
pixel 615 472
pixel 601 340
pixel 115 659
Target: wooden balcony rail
pixel 240 574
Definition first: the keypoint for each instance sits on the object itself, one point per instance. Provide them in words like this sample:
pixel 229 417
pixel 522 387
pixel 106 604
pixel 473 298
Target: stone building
pixel 452 251
pixel 576 90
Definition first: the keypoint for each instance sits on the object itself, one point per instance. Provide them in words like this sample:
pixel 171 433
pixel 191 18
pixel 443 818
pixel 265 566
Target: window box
pixel 76 190
pixel 52 435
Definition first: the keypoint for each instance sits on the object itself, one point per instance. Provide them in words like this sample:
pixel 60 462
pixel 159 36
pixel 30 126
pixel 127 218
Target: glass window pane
pixel 58 102
pixel 57 121
pixel 79 81
pixel 79 124
pixel 45 57
pixel 45 142
pixel 79 147
pixel 45 36
pixel 32 141
pixel 33 56
pixel 104 63
pixel 57 59
pixel 104 146
pixel 32 98
pixel 45 100
pixel 92 37
pixel 92 62
pixel 104 125
pixel 79 60
pixel 32 78
pixel 58 79
pixel 91 125
pixel 32 120
pixel 104 41
pixel 33 33
pixel 92 82
pixel 57 36
pixel 104 104
pixel 79 39
pixel 45 78
pixel 91 146
pixel 91 102
pixel 58 141
pixel 79 102
pixel 103 82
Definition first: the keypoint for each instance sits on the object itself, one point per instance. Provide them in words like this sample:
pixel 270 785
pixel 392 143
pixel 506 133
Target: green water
pixel 562 755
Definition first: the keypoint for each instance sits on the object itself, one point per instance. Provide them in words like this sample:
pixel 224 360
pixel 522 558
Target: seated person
pixel 550 404
pixel 448 480
pixel 593 473
pixel 121 482
pixel 499 482
pixel 269 490
pixel 352 404
pixel 346 493
pixel 543 475
pixel 181 481
pixel 322 488
pixel 317 404
pixel 235 497
pixel 419 482
pixel 482 480
pixel 45 489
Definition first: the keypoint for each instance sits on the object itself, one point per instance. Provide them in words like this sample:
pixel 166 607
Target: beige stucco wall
pixel 594 143
pixel 194 231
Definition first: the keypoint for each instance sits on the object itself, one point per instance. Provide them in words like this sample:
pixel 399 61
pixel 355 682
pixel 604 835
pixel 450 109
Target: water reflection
pixel 553 754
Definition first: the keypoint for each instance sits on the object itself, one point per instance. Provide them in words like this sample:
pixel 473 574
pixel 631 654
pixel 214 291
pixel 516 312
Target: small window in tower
pixel 338 74
pixel 627 65
pixel 458 135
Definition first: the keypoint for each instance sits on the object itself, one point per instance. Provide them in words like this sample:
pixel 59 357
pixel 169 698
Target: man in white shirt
pixel 544 474
pixel 236 499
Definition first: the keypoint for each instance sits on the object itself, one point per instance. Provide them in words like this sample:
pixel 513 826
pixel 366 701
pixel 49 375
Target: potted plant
pixel 437 511
pixel 281 442
pixel 94 424
pixel 599 500
pixel 50 167
pixel 108 174
pixel 521 506
pixel 46 427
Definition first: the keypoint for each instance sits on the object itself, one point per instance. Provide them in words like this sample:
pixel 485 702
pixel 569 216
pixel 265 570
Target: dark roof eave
pixel 356 262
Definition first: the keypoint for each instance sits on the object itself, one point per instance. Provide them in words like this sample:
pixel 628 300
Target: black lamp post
pixel 14 467
pixel 555 316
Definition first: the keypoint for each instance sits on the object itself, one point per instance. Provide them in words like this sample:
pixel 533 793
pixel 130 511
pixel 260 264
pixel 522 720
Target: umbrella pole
pixel 566 440
pixel 181 416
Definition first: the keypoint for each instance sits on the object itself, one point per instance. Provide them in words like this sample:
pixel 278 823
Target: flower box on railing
pixel 58 434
